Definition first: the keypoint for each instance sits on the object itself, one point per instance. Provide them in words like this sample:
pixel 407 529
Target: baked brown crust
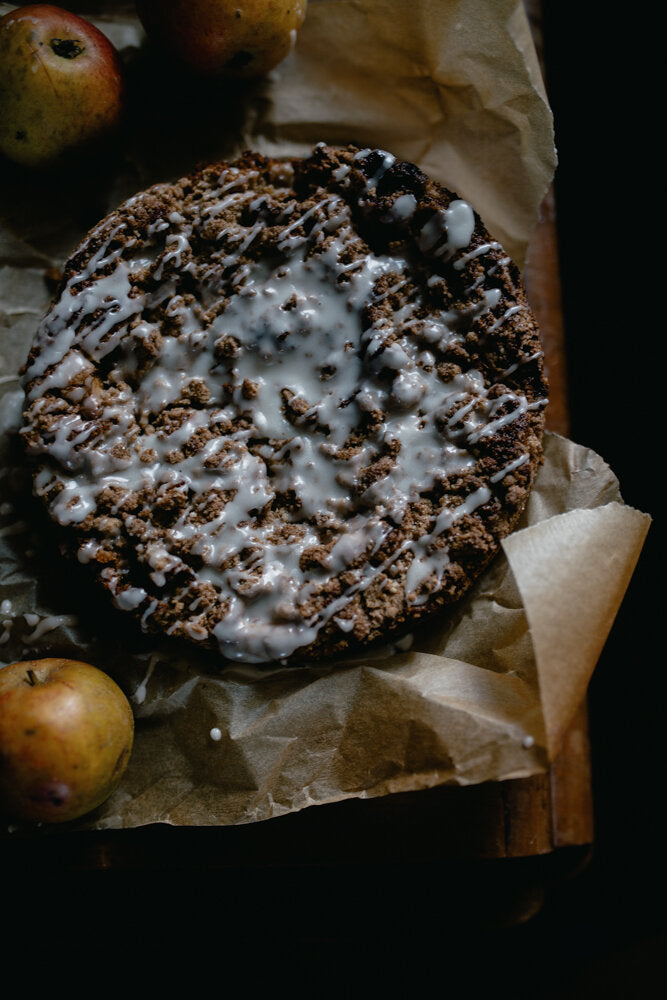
pixel 285 409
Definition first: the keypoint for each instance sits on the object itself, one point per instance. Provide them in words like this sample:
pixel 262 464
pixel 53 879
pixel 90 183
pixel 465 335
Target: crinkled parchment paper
pixel 483 693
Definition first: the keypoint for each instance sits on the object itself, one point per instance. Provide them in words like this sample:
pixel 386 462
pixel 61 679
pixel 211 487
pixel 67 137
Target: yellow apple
pixel 66 734
pixel 61 86
pixel 231 38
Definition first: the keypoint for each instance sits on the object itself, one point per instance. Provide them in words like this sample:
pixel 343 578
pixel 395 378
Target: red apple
pixel 60 84
pixel 66 733
pixel 231 38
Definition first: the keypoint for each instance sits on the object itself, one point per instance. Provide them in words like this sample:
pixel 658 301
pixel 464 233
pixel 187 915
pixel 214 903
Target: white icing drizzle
pixel 41 624
pixel 516 464
pixel 405 642
pixel 302 371
pixel 46 624
pixel 8 615
pixel 139 695
pixel 448 230
pixel 461 262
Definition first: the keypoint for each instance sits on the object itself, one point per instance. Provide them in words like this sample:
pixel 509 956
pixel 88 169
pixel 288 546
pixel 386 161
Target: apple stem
pixel 67 48
pixel 32 680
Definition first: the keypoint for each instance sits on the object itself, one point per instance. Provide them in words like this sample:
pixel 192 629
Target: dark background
pixel 605 929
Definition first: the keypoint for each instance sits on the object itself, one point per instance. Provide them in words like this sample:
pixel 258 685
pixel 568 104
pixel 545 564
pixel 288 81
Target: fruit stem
pixel 32 679
pixel 67 48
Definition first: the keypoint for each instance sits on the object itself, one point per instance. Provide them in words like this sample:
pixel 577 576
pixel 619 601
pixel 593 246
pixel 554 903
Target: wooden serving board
pixel 507 838
pixel 496 847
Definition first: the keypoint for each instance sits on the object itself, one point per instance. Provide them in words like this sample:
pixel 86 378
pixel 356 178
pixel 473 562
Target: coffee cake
pixel 283 409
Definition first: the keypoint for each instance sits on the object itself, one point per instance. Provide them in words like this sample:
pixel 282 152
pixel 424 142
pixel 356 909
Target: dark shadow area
pixel 609 924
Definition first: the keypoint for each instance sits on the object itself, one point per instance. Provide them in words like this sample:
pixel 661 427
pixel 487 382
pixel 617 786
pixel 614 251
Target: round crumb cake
pixel 283 409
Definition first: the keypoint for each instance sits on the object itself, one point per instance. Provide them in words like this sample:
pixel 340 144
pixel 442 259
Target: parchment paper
pixel 485 692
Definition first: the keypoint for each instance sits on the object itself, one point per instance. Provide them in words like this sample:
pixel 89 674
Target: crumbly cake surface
pixel 284 409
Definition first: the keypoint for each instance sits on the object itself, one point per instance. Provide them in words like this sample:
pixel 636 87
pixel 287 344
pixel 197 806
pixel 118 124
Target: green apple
pixel 61 85
pixel 230 38
pixel 66 734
